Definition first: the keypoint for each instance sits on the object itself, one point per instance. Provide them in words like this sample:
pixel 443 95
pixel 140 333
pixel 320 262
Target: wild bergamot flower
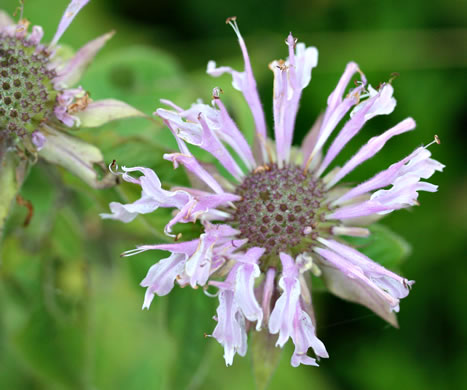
pixel 283 211
pixel 39 99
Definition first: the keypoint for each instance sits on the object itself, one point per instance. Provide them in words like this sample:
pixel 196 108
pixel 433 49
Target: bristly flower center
pixel 280 209
pixel 27 95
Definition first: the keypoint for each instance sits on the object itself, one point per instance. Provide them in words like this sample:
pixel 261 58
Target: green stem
pixel 12 174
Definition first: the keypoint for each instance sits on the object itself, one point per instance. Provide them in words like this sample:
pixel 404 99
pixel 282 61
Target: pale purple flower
pixel 39 98
pixel 281 213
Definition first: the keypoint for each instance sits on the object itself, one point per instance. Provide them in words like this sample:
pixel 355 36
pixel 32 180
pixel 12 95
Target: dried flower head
pixel 281 214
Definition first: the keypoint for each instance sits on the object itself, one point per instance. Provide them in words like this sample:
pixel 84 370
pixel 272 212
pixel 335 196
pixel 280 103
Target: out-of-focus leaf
pixel 265 356
pixel 54 350
pixel 139 76
pixel 190 319
pixel 66 240
pixel 121 325
pixel 383 246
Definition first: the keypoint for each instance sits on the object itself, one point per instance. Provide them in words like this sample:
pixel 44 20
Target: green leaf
pixel 265 356
pixel 383 246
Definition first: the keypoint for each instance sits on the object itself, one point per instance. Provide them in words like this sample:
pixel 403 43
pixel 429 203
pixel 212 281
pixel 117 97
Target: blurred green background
pixel 70 307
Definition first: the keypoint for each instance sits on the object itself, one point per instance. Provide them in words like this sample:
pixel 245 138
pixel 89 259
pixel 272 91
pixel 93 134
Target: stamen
pixel 436 140
pixel 232 20
pixel 210 295
pixel 216 92
pixel 135 251
pixel 113 168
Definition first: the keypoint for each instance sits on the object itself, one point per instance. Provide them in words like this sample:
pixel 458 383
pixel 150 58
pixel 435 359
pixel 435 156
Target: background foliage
pixel 70 313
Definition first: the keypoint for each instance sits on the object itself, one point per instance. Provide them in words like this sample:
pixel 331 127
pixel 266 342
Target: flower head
pixel 282 212
pixel 39 98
